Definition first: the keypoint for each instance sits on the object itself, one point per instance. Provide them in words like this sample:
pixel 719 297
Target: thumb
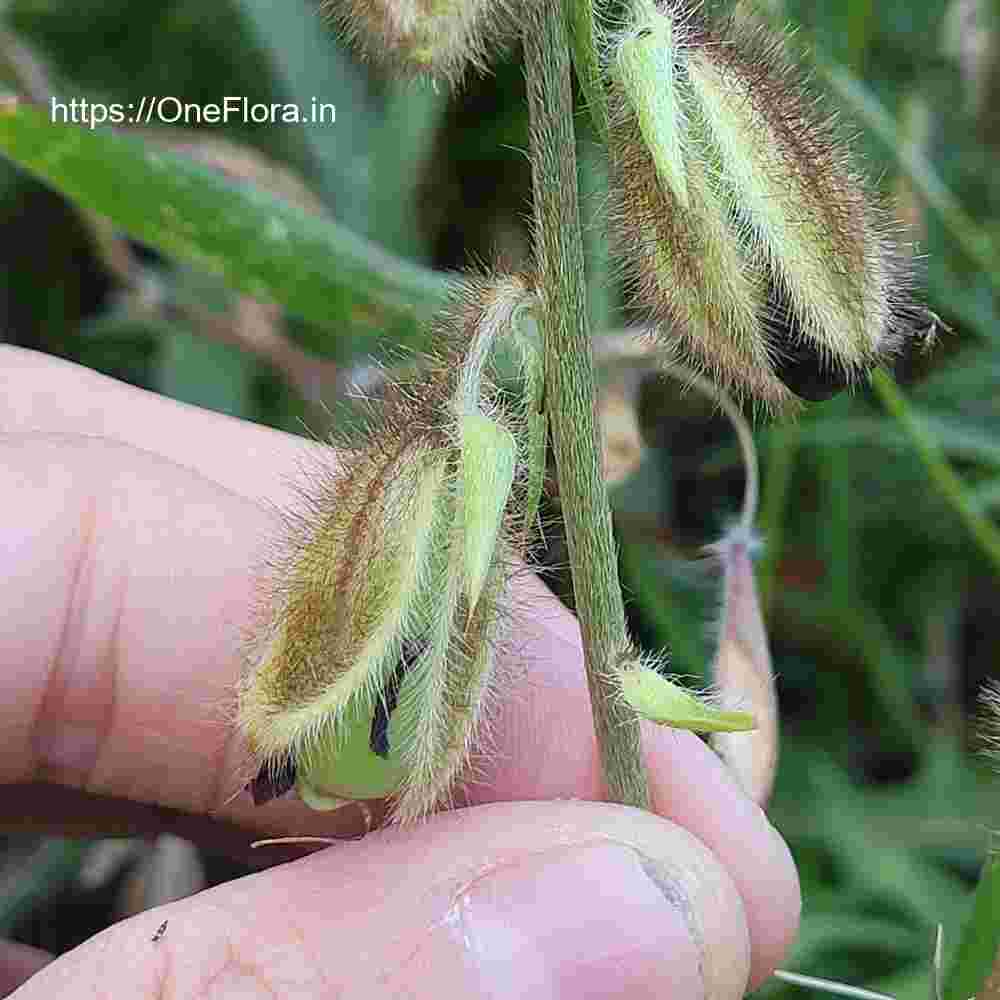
pixel 524 899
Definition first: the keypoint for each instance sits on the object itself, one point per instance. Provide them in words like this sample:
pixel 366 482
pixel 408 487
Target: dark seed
pixel 803 371
pixel 798 363
pixel 378 739
pixel 271 783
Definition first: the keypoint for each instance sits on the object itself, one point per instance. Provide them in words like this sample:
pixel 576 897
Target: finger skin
pixel 19 962
pixel 363 920
pixel 41 393
pixel 128 579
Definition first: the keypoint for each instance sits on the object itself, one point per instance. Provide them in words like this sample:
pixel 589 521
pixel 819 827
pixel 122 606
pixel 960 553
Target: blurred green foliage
pixel 882 609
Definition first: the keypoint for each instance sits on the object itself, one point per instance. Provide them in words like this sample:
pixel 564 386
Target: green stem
pixel 951 487
pixel 782 448
pixel 570 397
pixel 593 174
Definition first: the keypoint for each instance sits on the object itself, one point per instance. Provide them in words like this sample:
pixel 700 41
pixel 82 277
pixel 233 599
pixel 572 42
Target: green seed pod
pixel 365 760
pixel 771 263
pixel 369 672
pixel 440 712
pixel 686 266
pixel 808 208
pixel 347 599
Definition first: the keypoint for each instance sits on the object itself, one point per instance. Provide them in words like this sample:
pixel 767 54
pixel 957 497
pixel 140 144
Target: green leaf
pixel 51 868
pixel 257 243
pixel 960 439
pixel 207 373
pixel 979 949
pixel 405 142
pixel 987 495
pixel 309 64
pixel 864 634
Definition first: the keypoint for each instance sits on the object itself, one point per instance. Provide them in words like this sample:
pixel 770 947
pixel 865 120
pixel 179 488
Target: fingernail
pixel 590 921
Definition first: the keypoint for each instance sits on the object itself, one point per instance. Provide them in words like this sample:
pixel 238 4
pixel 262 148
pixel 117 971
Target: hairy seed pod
pixel 346 601
pixel 368 675
pixel 440 38
pixel 686 268
pixel 771 262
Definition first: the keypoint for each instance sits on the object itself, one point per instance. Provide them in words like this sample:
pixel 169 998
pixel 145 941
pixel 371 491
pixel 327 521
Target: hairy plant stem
pixel 570 397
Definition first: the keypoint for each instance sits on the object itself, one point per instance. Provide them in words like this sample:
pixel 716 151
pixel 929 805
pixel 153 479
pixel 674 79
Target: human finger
pixel 540 899
pixel 19 962
pixel 544 745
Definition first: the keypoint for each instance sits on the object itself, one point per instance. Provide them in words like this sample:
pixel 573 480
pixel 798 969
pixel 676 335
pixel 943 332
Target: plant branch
pixel 570 397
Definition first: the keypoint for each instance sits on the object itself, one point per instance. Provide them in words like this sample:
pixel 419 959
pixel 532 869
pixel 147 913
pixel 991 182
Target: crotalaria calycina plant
pixel 758 253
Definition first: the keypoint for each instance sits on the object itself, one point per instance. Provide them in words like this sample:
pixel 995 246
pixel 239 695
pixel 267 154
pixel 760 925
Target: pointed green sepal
pixel 537 436
pixel 646 65
pixel 654 697
pixel 489 456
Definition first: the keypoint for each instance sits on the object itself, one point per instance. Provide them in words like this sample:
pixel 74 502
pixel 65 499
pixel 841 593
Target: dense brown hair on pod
pixel 705 319
pixel 775 267
pixel 377 629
